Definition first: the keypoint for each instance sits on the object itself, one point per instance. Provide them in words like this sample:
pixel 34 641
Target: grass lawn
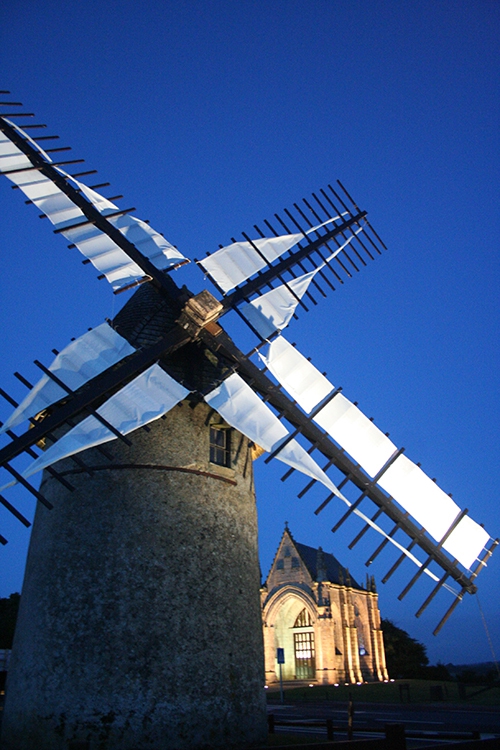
pixel 417 691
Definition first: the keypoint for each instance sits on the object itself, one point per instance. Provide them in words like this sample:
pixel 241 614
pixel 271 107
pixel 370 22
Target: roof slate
pixel 335 572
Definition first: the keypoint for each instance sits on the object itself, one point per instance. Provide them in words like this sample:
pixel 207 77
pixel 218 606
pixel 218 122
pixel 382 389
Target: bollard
pixel 350 718
pixel 270 723
pixel 395 736
pixel 329 729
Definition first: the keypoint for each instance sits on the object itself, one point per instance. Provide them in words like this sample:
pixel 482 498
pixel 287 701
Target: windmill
pixel 159 379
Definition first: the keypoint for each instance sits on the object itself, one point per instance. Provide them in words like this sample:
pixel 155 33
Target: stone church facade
pixel 327 624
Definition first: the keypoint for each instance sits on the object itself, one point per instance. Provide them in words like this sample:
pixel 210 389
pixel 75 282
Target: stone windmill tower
pixel 140 623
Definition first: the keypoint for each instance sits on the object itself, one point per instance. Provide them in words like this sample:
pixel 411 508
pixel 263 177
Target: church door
pixel 305 662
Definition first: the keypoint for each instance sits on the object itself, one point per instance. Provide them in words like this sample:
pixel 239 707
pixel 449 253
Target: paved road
pixel 428 718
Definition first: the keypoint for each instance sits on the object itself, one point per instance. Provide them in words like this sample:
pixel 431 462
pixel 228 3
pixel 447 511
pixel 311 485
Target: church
pixel 327 624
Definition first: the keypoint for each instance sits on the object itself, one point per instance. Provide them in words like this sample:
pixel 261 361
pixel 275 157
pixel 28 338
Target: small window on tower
pixel 220 445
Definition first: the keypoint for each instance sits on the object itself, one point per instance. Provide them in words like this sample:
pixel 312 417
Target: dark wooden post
pixel 395 736
pixel 350 718
pixel 329 729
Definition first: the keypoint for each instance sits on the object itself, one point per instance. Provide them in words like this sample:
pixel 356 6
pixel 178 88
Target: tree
pixel 438 672
pixel 406 657
pixel 8 617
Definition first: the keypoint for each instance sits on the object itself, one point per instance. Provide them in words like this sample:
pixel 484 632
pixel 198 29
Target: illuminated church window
pixel 303 620
pixel 305 662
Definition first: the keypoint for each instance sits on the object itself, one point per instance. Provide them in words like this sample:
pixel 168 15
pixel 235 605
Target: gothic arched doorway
pixel 303 646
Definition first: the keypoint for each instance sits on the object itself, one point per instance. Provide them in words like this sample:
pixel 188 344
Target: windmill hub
pixel 199 312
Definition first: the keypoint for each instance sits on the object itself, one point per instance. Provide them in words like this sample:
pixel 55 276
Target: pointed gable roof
pixel 335 572
pixel 320 565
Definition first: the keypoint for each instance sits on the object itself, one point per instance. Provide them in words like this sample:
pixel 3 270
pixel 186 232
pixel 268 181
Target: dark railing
pixel 393 737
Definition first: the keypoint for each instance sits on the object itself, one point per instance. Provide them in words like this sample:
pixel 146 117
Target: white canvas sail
pixel 237 262
pixel 104 254
pixel 79 362
pixel 340 418
pixel 359 437
pixel 466 541
pixel 146 398
pixel 305 384
pixel 272 311
pixel 356 434
pixel 242 408
pixel 433 509
pixel 420 496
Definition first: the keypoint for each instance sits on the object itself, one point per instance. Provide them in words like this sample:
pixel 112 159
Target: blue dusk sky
pixel 212 116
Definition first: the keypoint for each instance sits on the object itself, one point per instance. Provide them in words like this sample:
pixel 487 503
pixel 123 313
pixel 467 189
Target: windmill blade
pixel 354 432
pixel 232 265
pixel 357 435
pixel 146 398
pixel 304 383
pixel 466 536
pixel 93 394
pixel 125 249
pixel 240 406
pixel 271 312
pixel 335 252
pixel 354 474
pixel 435 510
pixel 82 360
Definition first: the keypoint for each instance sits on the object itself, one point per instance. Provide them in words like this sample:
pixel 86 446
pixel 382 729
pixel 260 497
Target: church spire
pixel 320 565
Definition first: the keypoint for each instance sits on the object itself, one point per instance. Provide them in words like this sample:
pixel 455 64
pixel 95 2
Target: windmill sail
pixel 235 263
pixel 355 433
pixel 435 510
pixel 272 311
pixel 107 257
pixel 240 406
pixel 148 397
pixel 70 220
pixel 466 541
pixel 340 418
pixel 305 384
pixel 82 360
pixel 351 429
